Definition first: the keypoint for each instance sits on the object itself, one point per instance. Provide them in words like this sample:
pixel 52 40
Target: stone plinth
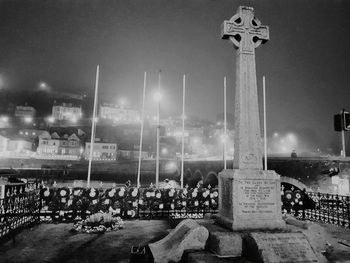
pixel 250 199
pixel 225 244
pixel 279 248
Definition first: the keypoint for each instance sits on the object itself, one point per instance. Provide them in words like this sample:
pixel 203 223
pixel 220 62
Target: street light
pixel 157 96
pixel 122 102
pixel 28 119
pixel 50 119
pixel 5 119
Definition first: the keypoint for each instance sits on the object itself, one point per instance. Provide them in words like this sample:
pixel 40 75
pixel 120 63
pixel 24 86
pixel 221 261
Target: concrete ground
pixel 56 243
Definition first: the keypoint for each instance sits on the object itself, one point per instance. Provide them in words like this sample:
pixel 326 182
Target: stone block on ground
pixel 278 248
pixel 188 234
pixel 225 244
pixel 207 257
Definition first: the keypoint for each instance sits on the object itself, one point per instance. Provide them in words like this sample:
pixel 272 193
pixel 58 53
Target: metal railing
pixel 33 205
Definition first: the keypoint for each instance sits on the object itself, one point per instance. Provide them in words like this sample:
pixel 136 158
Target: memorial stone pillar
pixel 249 197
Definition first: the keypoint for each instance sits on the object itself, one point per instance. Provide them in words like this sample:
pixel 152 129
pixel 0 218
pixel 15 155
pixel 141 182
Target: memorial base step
pixel 208 257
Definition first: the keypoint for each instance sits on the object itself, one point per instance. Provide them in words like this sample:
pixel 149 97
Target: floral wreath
pixel 121 192
pixel 133 192
pixel 171 194
pixel 148 193
pixel 46 193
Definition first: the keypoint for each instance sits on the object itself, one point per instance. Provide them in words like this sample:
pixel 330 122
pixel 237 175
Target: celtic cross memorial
pixel 249 197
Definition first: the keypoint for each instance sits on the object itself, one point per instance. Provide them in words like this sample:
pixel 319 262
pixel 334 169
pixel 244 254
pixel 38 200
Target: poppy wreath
pixel 46 194
pixel 110 193
pixel 133 203
pixel 159 194
pixel 204 198
pixel 169 205
pixel 121 193
pixel 144 204
pixel 213 204
pixel 288 197
pixel 92 194
pixel 193 203
pixel 180 204
pixel 204 194
pixel 116 207
pixel 148 194
pixel 78 192
pixel 133 192
pixel 298 200
pixel 214 194
pixel 63 195
pixel 130 210
pixel 182 194
pixel 170 194
pixel 298 197
pixel 287 201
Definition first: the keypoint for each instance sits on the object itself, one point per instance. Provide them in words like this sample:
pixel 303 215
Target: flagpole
pixel 183 130
pixel 225 125
pixel 141 133
pixel 93 126
pixel 158 130
pixel 265 138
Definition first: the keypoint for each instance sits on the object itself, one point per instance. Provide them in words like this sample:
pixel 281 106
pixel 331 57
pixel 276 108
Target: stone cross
pixel 246 33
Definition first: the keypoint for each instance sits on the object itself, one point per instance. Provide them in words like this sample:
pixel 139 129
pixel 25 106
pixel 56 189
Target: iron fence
pixel 32 205
pixel 17 211
pixel 66 204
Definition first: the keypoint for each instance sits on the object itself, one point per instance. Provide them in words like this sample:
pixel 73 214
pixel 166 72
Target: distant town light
pixel 223 138
pixel 123 102
pixel 28 119
pixel 4 118
pixel 196 140
pixel 74 119
pixel 157 96
pixel 51 119
pixel 43 86
pixel 275 134
pixel 164 151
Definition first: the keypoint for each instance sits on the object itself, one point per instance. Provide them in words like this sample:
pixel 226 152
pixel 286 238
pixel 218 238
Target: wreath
pixel 63 194
pixel 46 194
pixel 144 204
pixel 171 194
pixel 116 208
pixel 133 192
pixel 148 194
pixel 205 194
pixel 130 210
pixel 121 193
pixel 110 193
pixel 214 204
pixel 92 194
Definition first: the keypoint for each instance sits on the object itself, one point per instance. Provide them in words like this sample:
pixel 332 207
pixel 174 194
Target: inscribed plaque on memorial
pixel 256 197
pixel 284 248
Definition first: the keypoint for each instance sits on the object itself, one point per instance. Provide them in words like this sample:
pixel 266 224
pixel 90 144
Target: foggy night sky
pixel 306 61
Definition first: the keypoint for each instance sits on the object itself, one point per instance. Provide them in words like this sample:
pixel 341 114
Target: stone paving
pixel 56 243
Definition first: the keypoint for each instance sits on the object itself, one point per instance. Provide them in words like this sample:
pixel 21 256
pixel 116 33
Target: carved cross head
pixel 245 30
